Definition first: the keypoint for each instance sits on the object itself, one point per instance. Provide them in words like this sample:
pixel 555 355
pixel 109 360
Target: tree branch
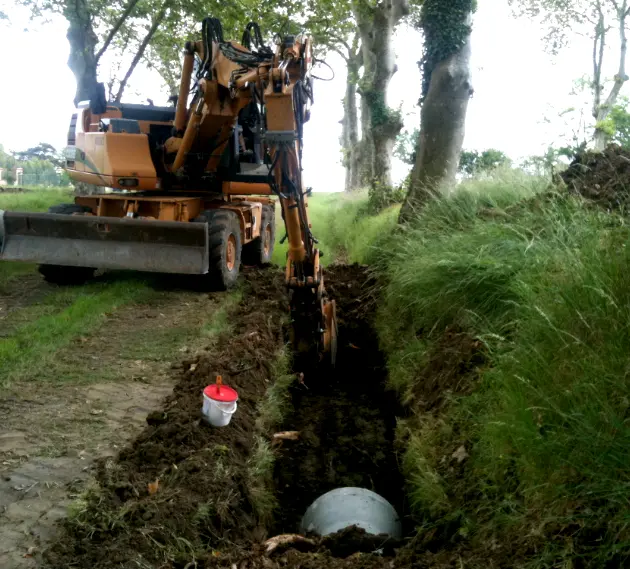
pixel 343 42
pixel 341 53
pixel 141 49
pixel 599 43
pixel 621 76
pixel 110 36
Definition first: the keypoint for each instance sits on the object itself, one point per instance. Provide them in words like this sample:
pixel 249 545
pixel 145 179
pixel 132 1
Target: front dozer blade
pixel 104 242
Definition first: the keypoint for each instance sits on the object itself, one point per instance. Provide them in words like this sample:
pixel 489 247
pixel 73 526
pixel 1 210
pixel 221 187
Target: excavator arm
pixel 280 83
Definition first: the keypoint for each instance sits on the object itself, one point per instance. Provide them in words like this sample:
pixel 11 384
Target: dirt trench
pixel 345 417
pixel 185 495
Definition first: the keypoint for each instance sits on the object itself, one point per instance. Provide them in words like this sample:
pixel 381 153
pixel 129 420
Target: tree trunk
pixel 386 123
pixel 350 136
pixel 365 158
pixel 601 111
pixel 442 128
pixel 380 124
pixel 82 60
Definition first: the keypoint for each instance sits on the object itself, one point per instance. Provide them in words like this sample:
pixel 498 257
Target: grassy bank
pixel 504 318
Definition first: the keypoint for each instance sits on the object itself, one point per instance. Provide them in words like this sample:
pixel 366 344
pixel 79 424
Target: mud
pixel 452 368
pixel 601 177
pixel 12 190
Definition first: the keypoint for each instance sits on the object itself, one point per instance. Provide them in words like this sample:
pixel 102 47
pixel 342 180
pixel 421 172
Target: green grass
pixel 35 200
pixel 274 407
pixel 344 233
pixel 10 270
pixel 538 285
pixel 30 348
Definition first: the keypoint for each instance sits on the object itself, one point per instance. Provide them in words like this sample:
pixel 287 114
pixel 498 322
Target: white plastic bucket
pixel 217 413
pixel 219 403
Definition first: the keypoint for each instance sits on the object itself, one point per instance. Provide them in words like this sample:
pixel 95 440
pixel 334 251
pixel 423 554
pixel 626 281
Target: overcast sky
pixel 519 89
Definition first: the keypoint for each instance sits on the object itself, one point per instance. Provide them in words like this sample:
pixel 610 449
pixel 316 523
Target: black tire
pixel 224 231
pixel 260 250
pixel 69 209
pixel 60 274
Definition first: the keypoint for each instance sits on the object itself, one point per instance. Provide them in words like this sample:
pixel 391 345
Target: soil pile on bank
pixel 182 487
pixel 601 177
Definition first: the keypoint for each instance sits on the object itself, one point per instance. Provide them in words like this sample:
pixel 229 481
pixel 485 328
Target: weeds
pixel 260 480
pixel 277 402
pixel 272 410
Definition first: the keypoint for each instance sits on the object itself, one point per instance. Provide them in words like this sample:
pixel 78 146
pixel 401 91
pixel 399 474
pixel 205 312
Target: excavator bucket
pixel 104 242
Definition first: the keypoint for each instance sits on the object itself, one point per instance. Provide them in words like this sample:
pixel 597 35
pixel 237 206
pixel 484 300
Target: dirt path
pixel 19 292
pixel 94 397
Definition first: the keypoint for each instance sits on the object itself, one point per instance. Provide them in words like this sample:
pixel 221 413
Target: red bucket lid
pixel 220 393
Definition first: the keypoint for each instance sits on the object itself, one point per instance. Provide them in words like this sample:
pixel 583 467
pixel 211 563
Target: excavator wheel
pixel 64 275
pixel 260 250
pixel 225 248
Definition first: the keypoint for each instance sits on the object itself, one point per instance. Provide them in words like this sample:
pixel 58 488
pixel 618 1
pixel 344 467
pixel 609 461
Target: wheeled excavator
pixel 192 188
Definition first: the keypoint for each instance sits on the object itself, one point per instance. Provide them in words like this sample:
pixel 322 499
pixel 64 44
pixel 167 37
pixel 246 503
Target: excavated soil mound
pixel 601 177
pixel 182 486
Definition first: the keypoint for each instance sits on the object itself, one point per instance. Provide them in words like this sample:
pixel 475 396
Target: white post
pixel 19 174
pixel 1 176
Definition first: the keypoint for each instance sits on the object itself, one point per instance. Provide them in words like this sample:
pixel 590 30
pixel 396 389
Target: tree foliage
pixel 620 123
pixel 473 162
pixel 39 163
pixel 43 152
pixel 406 146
